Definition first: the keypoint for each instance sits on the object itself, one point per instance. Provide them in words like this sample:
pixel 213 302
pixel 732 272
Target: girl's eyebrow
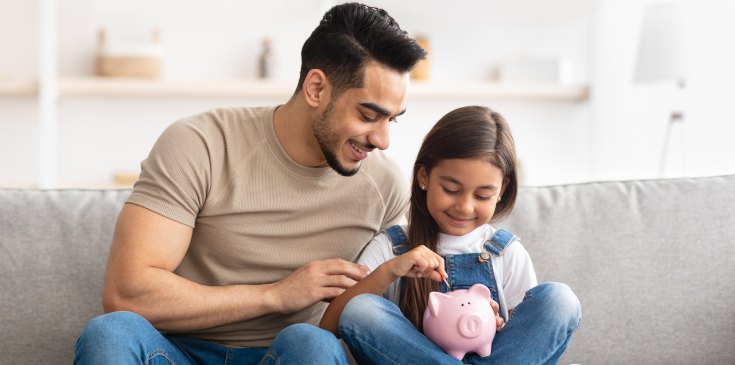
pixel 453 180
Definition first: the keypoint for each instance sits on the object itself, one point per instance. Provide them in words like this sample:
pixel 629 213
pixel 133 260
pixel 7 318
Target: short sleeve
pixel 175 178
pixel 519 275
pixel 377 252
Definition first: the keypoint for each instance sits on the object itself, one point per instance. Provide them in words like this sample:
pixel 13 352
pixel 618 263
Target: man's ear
pixel 317 89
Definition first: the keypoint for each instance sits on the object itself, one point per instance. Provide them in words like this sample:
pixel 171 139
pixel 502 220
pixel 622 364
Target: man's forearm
pixel 172 303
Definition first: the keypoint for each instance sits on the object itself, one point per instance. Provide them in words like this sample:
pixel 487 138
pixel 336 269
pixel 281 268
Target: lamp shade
pixel 662 48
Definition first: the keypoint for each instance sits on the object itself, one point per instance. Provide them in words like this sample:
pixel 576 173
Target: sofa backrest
pixel 53 253
pixel 652 263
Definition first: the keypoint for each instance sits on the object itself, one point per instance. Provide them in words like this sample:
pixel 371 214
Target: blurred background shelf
pixel 12 87
pixel 102 86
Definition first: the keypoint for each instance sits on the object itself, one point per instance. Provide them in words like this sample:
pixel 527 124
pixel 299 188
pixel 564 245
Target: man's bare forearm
pixel 172 303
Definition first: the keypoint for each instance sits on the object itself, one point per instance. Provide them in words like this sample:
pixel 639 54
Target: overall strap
pixel 497 244
pixel 400 246
pixel 397 239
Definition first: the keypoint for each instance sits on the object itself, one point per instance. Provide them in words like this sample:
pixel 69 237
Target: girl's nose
pixel 464 205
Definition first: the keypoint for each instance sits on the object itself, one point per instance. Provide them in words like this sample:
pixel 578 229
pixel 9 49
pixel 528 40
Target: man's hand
pixel 314 282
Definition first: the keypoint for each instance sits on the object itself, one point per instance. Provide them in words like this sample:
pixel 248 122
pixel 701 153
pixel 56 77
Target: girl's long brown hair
pixel 469 132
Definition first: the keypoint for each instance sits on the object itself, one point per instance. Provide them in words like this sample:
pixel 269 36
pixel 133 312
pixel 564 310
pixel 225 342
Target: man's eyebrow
pixel 379 109
pixel 451 179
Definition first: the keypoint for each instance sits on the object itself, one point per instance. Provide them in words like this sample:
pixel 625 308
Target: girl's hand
pixel 417 263
pixel 499 321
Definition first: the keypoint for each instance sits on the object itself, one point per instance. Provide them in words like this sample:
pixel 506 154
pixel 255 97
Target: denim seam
pixel 473 264
pixel 269 354
pixel 159 353
pixel 228 357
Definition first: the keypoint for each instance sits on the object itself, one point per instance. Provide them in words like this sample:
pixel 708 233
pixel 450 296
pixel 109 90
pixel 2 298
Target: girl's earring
pixel 423 187
pixel 499 198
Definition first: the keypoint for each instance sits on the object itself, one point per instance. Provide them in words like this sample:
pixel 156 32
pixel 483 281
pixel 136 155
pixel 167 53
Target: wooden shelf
pixel 11 87
pixel 102 86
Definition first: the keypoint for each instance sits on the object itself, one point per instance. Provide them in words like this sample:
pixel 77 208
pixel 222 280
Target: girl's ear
pixel 505 185
pixel 422 177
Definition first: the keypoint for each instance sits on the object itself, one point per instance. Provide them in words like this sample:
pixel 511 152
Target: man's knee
pixel 308 340
pixel 115 327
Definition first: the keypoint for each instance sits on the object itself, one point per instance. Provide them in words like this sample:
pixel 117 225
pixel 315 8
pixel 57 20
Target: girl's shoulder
pixel 380 248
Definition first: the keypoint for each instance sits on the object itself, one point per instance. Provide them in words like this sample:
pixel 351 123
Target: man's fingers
pixel 342 267
pixel 330 293
pixel 339 281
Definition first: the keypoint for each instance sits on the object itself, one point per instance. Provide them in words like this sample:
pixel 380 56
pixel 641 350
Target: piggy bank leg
pixel 485 350
pixel 456 354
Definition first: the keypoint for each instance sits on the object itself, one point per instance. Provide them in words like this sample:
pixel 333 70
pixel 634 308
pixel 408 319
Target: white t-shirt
pixel 513 271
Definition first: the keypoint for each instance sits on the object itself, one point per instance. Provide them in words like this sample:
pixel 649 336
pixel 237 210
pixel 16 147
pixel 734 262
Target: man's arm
pixel 147 248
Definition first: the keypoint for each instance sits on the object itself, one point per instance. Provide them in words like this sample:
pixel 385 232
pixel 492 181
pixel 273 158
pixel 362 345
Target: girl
pixel 465 176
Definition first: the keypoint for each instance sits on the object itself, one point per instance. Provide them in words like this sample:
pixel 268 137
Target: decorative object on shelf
pixel 265 61
pixel 535 69
pixel 126 178
pixel 421 71
pixel 129 61
pixel 662 57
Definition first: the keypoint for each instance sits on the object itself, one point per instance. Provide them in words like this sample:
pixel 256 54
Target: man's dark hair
pixel 351 35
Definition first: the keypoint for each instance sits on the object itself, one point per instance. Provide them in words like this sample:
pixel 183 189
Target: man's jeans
pixel 127 338
pixel 538 332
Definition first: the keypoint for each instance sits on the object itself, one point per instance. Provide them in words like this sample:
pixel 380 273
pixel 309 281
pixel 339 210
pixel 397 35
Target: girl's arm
pixel 419 262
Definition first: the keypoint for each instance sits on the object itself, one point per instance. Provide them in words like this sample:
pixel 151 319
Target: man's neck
pixel 292 123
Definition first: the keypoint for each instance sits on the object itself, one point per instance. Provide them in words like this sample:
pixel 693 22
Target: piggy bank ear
pixel 481 290
pixel 435 300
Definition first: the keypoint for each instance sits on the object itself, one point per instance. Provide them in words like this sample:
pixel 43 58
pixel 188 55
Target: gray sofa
pixel 651 262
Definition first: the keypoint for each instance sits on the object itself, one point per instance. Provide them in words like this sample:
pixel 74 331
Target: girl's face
pixel 461 194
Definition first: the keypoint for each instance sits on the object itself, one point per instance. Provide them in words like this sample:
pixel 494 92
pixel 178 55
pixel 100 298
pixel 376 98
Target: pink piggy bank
pixel 461 321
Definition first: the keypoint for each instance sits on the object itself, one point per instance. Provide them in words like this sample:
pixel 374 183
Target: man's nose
pixel 380 136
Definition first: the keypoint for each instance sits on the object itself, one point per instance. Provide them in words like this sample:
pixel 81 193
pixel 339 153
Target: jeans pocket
pixel 269 359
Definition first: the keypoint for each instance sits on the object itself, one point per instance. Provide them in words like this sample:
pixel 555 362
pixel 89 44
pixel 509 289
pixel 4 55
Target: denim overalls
pixel 463 270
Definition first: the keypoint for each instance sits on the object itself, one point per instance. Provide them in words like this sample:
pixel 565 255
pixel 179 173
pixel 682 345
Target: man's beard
pixel 329 139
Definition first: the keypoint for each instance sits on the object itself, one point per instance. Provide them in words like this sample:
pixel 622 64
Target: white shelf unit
pixel 105 86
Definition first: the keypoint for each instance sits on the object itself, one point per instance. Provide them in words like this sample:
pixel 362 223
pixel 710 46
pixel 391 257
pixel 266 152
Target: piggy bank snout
pixel 470 325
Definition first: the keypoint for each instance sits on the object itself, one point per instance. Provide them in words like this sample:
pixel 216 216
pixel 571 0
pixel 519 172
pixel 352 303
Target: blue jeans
pixel 127 338
pixel 538 332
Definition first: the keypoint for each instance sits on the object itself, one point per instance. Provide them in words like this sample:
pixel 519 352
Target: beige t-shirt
pixel 258 215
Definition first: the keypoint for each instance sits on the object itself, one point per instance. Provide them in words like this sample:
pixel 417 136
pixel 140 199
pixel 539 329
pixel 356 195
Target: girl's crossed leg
pixel 538 332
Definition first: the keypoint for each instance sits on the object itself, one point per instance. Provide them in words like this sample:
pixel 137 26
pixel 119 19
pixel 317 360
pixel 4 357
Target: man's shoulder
pixel 228 117
pixel 237 128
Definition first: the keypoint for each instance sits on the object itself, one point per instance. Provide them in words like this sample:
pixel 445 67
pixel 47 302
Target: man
pixel 246 220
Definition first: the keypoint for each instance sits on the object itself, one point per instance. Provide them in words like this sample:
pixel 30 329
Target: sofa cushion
pixel 650 261
pixel 53 253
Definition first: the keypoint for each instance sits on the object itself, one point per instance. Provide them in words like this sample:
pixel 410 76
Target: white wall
pixel 618 134
pixel 628 121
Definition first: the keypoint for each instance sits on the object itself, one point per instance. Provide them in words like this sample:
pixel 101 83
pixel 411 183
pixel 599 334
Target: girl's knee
pixel 364 310
pixel 560 302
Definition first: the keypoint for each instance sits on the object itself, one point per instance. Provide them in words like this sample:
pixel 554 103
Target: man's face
pixel 359 120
